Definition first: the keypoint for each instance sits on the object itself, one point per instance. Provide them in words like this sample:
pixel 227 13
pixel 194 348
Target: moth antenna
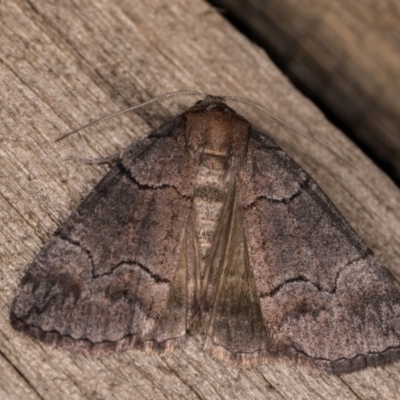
pixel 286 125
pixel 163 97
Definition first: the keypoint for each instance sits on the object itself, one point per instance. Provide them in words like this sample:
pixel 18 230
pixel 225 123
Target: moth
pixel 207 226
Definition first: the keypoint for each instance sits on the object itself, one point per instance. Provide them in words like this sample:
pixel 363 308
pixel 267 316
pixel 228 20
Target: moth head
pixel 211 102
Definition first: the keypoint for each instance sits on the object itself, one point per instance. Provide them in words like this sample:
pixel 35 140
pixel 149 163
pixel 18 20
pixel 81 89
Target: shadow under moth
pixel 207 226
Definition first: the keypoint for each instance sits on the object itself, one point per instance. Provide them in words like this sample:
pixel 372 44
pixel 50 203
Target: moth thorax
pixel 218 134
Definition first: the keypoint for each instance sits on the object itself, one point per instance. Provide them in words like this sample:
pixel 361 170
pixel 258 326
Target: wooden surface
pixel 345 55
pixel 63 65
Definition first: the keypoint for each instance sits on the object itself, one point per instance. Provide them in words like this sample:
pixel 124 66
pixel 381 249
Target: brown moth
pixel 206 225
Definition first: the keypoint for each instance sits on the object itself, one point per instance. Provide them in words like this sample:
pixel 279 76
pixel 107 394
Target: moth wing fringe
pixel 245 360
pixel 98 349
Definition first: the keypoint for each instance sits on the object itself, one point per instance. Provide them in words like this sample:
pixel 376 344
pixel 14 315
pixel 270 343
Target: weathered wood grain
pixel 345 55
pixel 62 64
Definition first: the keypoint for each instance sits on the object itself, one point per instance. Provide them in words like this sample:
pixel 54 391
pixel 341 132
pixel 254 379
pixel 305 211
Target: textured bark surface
pixel 62 65
pixel 345 55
